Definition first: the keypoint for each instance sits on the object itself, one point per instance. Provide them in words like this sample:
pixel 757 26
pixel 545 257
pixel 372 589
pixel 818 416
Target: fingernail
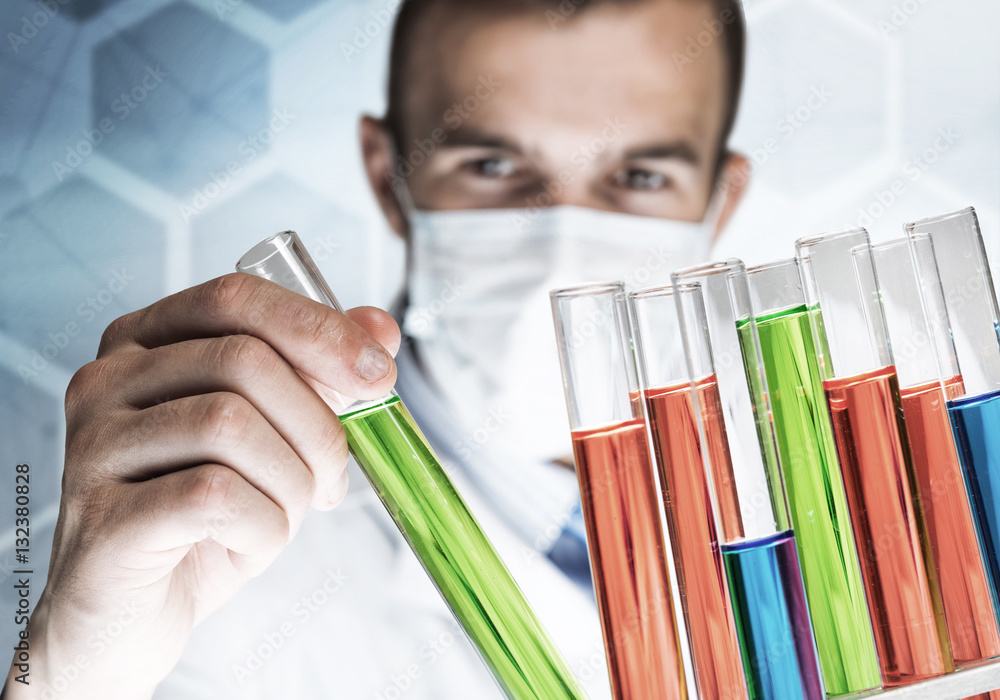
pixel 339 490
pixel 374 364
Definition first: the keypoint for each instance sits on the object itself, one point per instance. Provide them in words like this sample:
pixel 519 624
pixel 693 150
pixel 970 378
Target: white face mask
pixel 480 316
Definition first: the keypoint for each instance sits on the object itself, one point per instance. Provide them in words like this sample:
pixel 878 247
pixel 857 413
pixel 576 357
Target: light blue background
pixel 147 202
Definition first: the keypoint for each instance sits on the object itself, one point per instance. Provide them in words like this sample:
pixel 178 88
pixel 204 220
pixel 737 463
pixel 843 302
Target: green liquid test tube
pixel 431 515
pixel 816 495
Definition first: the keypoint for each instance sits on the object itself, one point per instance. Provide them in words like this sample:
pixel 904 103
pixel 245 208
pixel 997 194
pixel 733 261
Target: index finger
pixel 321 343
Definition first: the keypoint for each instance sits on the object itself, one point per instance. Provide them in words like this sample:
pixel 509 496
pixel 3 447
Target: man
pixel 578 139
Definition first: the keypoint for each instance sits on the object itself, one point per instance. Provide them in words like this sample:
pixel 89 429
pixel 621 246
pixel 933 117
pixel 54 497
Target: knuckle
pixel 86 384
pixel 210 487
pixel 334 437
pixel 117 332
pixel 222 419
pixel 83 381
pixel 245 355
pixel 225 295
pixel 314 323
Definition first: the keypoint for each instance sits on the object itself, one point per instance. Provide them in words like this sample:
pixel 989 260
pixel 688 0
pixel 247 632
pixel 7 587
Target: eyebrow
pixel 677 150
pixel 470 136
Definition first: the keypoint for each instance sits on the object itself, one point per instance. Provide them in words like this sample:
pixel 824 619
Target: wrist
pixel 56 664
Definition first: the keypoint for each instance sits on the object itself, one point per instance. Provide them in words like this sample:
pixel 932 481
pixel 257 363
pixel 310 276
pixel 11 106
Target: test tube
pixel 678 401
pixel 774 324
pixel 431 515
pixel 862 392
pixel 758 547
pixel 973 322
pixel 929 376
pixel 618 493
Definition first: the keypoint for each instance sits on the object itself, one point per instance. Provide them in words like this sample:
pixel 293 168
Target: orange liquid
pixel 702 576
pixel 900 580
pixel 972 626
pixel 627 556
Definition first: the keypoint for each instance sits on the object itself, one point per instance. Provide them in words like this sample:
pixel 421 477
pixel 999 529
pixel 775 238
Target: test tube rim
pixel 810 241
pixel 937 219
pixel 894 243
pixel 285 237
pixel 587 289
pixel 717 267
pixel 668 290
pixel 765 267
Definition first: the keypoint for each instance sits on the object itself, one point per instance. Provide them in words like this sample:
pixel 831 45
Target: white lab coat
pixel 347 612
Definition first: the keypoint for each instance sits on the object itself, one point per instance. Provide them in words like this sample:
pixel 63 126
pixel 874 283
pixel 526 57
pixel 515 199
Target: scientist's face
pixel 524 109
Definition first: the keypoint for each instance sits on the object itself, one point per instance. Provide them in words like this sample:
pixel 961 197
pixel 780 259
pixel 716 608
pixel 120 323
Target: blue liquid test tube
pixel 758 544
pixel 973 322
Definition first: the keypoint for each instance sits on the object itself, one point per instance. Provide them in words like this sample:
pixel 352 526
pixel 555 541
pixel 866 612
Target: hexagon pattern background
pixel 145 144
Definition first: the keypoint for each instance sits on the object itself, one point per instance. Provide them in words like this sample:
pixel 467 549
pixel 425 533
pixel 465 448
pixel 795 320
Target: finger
pixel 320 342
pixel 208 501
pixel 379 325
pixel 222 428
pixel 249 367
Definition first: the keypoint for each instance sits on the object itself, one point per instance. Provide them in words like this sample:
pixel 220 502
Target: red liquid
pixel 900 580
pixel 968 609
pixel 627 556
pixel 702 576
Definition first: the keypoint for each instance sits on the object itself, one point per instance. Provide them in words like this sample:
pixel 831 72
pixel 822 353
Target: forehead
pixel 561 76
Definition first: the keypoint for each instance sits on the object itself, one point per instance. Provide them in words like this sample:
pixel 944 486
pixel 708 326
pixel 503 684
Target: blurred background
pixel 145 145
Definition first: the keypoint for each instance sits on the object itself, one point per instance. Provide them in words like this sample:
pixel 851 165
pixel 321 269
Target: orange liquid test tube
pixel 862 387
pixel 914 304
pixel 618 494
pixel 626 553
pixel 674 403
pixel 689 511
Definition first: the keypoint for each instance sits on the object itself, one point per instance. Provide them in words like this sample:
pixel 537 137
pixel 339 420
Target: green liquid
pixel 817 500
pixel 446 538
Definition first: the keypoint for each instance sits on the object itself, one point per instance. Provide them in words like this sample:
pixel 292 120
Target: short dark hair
pixel 729 12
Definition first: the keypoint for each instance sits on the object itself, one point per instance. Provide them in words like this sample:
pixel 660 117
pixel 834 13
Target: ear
pixel 377 152
pixel 733 181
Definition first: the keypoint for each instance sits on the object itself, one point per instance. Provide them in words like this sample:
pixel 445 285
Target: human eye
pixel 641 180
pixel 491 167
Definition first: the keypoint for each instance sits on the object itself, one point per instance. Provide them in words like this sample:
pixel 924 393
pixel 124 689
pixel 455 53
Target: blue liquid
pixel 976 423
pixel 772 619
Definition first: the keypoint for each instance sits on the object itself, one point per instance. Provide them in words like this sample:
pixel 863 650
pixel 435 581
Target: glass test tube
pixel 922 347
pixel 862 392
pixel 618 493
pixel 973 322
pixel 677 401
pixel 431 515
pixel 758 547
pixel 776 309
